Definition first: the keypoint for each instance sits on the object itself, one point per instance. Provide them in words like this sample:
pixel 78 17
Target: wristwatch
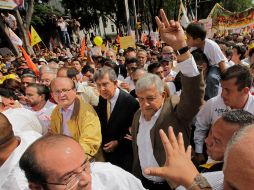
pixel 199 181
pixel 182 50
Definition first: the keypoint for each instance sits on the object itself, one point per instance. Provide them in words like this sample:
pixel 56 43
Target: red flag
pixel 29 61
pixel 83 46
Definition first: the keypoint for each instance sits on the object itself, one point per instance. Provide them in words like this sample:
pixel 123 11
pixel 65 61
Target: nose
pixel 208 141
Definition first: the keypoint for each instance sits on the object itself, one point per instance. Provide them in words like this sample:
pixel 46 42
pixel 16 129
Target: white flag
pixel 14 38
pixel 182 16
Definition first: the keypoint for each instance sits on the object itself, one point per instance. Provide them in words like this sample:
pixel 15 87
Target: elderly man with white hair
pixel 156 112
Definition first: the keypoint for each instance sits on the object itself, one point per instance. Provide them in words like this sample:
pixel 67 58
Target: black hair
pixel 86 69
pixel 152 67
pixel 251 52
pixel 241 50
pixel 72 72
pixel 242 75
pixel 196 30
pixel 8 93
pixel 130 60
pixel 41 89
pixel 199 57
pixel 239 117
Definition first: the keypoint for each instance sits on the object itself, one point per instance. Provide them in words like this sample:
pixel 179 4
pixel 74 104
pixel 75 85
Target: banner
pixel 83 46
pixel 127 41
pixel 223 19
pixel 182 16
pixel 29 62
pixel 35 38
pixel 10 4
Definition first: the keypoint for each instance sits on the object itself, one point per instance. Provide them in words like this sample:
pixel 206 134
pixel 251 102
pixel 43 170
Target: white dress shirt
pixel 44 115
pixel 209 113
pixel 145 149
pixel 11 176
pixel 106 176
pixel 114 99
pixel 130 82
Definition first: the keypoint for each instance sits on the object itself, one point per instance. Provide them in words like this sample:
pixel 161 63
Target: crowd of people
pixel 100 121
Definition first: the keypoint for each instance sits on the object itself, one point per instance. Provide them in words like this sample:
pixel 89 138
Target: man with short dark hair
pixel 67 167
pixel 27 79
pixel 73 117
pixel 236 83
pixel 115 110
pixel 37 97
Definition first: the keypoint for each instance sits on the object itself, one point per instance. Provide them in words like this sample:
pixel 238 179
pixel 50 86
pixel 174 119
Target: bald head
pixel 62 153
pixel 6 129
pixel 239 160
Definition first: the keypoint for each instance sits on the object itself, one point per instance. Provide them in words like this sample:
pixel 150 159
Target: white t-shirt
pixel 63 26
pixel 106 176
pixel 213 52
pixel 12 177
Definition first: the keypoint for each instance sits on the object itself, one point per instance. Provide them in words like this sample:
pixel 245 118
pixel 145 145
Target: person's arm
pixel 222 66
pixel 90 131
pixel 203 122
pixel 178 168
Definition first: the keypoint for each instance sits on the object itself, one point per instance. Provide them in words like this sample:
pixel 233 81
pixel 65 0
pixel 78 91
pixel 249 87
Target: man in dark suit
pixel 116 109
pixel 156 112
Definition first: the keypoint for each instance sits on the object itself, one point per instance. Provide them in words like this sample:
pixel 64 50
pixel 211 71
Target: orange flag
pixel 29 61
pixel 118 39
pixel 83 46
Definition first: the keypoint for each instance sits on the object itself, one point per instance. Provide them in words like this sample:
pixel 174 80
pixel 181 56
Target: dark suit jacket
pixel 179 118
pixel 117 127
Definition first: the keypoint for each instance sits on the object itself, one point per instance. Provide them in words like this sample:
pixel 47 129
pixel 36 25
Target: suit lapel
pixel 159 122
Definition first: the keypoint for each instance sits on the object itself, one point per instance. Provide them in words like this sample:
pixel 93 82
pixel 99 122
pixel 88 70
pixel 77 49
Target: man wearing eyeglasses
pixel 73 117
pixel 66 167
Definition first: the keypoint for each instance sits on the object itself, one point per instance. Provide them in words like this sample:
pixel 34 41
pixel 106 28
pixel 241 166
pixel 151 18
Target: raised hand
pixel 178 168
pixel 171 31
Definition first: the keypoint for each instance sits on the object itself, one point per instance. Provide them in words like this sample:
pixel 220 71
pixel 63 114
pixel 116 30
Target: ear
pixel 115 82
pixel 246 90
pixel 34 186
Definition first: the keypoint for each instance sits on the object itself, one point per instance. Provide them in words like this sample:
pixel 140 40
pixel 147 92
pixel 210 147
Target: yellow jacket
pixel 84 126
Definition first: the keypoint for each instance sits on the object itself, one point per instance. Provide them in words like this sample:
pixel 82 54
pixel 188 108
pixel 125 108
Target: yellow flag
pixel 35 38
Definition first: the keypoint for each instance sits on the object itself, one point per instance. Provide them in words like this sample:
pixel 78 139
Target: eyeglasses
pixel 75 178
pixel 148 99
pixel 58 92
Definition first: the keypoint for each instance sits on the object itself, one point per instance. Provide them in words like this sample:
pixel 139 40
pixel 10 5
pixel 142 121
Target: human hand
pixel 110 146
pixel 178 168
pixel 171 31
pixel 128 137
pixel 169 79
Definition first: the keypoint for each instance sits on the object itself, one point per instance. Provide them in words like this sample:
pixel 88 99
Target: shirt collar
pixel 154 117
pixel 70 108
pixel 114 98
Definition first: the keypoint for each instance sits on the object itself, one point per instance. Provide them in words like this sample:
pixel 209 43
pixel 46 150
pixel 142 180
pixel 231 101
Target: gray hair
pixel 234 140
pixel 239 117
pixel 100 73
pixel 149 80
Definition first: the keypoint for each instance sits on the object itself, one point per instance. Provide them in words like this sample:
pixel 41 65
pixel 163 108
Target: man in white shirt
pixel 196 38
pixel 12 147
pixel 64 33
pixel 37 97
pixel 236 83
pixel 158 113
pixel 67 167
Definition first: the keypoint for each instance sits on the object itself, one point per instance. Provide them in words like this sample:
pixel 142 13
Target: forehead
pixel 27 79
pixel 31 90
pixel 167 49
pixel 62 83
pixel 223 130
pixel 142 54
pixel 150 91
pixel 229 83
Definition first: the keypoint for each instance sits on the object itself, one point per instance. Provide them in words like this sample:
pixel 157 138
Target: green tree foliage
pixel 237 5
